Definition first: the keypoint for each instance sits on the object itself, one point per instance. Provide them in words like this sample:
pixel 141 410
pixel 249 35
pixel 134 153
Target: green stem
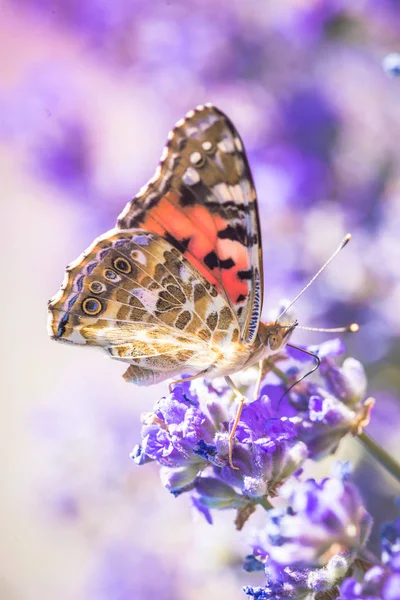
pixel 389 463
pixel 265 503
pixel 368 557
pixel 282 376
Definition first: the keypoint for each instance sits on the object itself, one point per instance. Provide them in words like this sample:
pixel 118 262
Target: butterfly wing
pixel 202 200
pixel 135 295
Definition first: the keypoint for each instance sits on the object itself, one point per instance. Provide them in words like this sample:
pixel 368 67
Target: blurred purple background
pixel 88 92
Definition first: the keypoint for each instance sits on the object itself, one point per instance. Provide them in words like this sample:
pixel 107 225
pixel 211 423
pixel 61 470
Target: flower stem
pixel 389 463
pixel 265 503
pixel 368 558
pixel 282 376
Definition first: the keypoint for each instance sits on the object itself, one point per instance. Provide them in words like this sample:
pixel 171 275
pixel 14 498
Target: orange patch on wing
pixel 233 285
pixel 201 227
pixel 201 217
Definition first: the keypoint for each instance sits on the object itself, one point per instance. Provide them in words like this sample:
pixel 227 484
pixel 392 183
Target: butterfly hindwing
pixel 135 295
pixel 202 201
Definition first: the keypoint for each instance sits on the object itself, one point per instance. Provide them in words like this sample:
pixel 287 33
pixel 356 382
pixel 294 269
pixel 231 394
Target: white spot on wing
pixel 139 257
pixel 228 192
pixel 147 298
pixel 143 190
pixel 226 145
pixel 191 176
pixel 238 144
pixel 207 146
pixel 195 158
pixel 164 154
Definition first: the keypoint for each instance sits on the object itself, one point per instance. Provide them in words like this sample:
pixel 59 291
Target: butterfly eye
pixel 122 265
pixel 96 287
pixel 275 341
pixel 91 306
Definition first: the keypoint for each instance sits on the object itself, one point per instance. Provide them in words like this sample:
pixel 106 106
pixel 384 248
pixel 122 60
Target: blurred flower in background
pixel 310 544
pixel 88 92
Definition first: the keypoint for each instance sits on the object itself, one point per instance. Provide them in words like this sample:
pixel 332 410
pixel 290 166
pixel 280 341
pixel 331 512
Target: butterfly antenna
pixel 342 245
pixel 353 328
pixel 317 364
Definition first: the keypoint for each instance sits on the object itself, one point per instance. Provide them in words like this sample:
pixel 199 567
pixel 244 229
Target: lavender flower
pixel 320 519
pixel 287 583
pixel 309 545
pixel 326 408
pixel 381 581
pixel 188 432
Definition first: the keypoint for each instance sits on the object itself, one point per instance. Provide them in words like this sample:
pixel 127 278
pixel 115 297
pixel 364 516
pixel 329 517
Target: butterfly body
pixel 176 287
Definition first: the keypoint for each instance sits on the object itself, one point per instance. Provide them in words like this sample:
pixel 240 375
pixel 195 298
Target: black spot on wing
pixel 234 233
pixel 212 261
pixel 230 204
pixel 62 324
pixel 182 245
pixel 248 274
pixel 240 298
pixel 187 197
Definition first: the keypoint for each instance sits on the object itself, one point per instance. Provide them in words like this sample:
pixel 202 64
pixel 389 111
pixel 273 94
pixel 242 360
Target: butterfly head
pixel 275 335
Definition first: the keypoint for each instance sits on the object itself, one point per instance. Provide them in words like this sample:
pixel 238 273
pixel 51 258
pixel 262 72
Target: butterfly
pixel 177 286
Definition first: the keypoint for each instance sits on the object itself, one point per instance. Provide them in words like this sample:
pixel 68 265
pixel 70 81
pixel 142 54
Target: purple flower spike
pixel 189 432
pixel 286 583
pixel 348 383
pixel 309 545
pixel 334 406
pixel 381 582
pixel 320 519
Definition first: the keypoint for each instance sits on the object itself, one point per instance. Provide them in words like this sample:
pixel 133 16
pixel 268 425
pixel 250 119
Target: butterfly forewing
pixel 202 201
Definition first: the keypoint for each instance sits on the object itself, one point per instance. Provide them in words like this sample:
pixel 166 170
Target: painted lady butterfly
pixel 177 286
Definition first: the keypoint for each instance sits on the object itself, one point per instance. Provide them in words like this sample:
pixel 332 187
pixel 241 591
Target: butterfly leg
pixel 175 381
pixel 241 400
